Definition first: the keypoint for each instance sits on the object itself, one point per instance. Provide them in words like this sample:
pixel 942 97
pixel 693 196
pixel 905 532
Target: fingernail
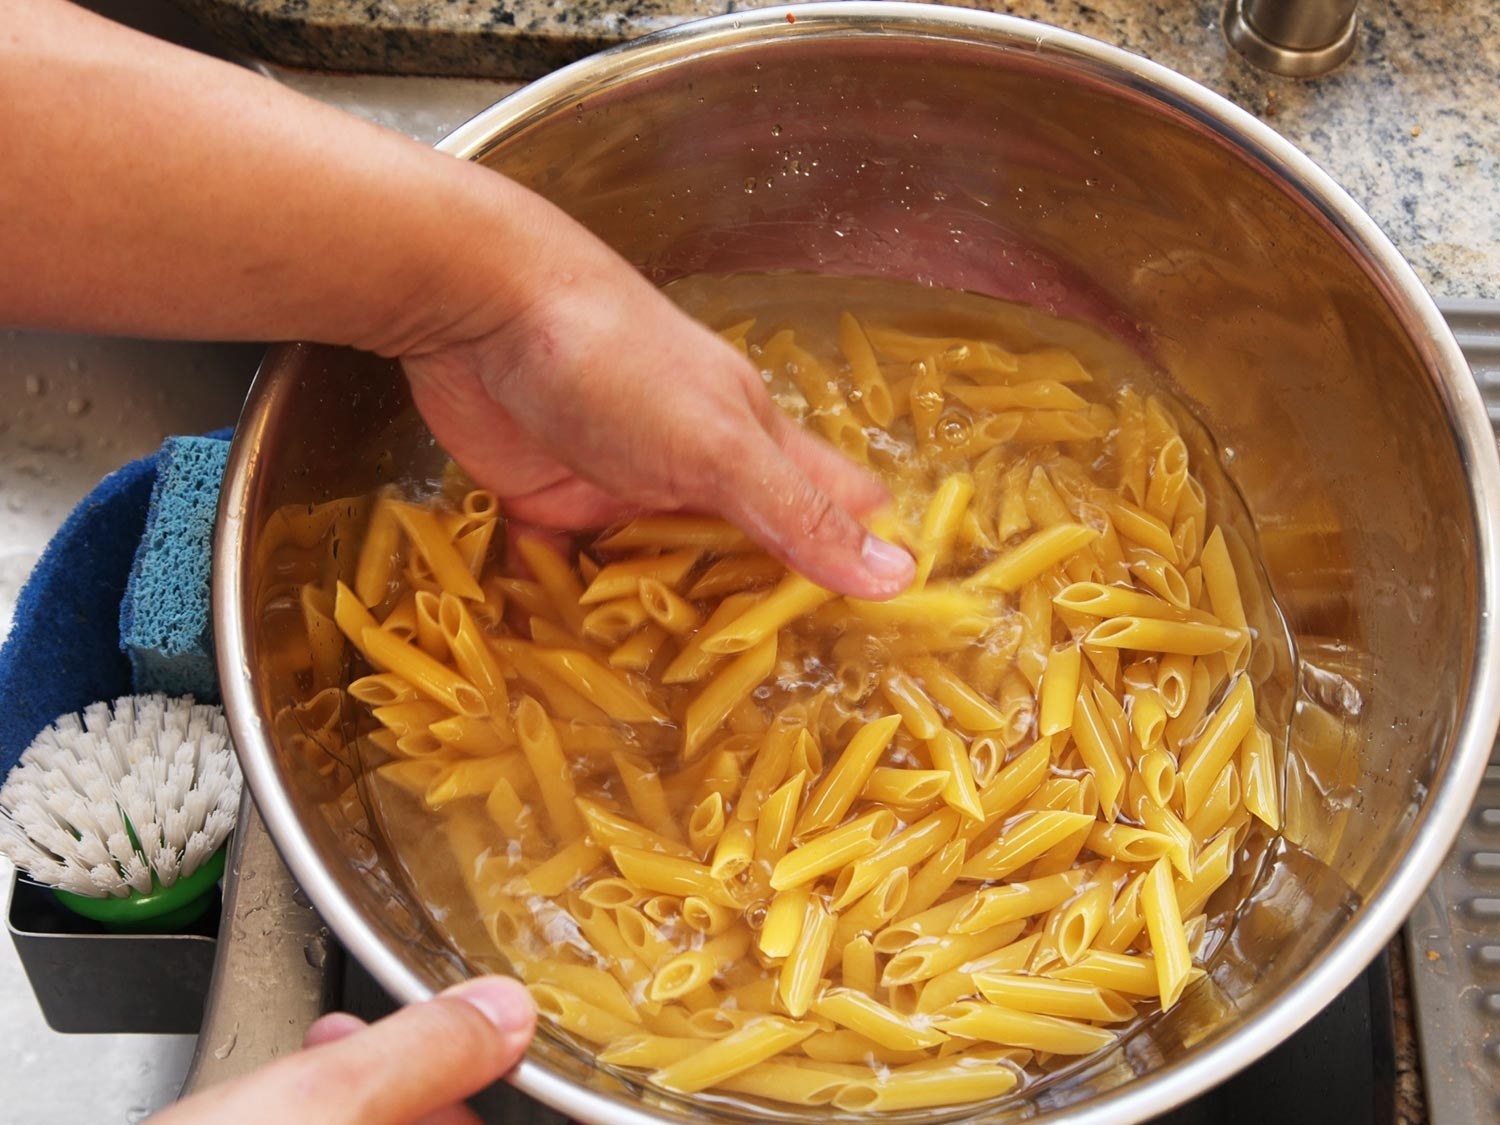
pixel 502 1001
pixel 886 561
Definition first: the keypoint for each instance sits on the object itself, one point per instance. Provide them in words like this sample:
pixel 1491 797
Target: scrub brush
pixel 124 810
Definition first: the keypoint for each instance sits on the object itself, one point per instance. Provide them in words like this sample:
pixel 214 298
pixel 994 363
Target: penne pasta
pixel 744 835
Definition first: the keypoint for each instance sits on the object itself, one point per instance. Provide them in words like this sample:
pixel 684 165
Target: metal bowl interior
pixel 992 154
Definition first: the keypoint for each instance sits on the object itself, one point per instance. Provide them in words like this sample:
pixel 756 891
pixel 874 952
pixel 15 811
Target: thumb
pixel 799 498
pixel 416 1062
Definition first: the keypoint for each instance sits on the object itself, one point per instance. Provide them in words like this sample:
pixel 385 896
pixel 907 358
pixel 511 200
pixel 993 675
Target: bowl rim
pixel 1442 814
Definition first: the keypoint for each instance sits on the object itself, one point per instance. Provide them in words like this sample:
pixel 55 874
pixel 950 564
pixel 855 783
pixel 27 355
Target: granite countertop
pixel 1410 126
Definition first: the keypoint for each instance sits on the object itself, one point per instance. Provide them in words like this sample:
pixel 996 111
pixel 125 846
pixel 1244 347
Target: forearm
pixel 148 190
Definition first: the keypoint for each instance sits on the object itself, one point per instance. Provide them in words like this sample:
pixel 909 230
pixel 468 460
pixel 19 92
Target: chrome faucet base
pixel 1253 28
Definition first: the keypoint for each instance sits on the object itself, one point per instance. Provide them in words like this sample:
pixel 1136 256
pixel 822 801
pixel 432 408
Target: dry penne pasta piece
pixel 874 394
pixel 1214 748
pixel 924 960
pixel 791 600
pixel 773 829
pixel 787 1082
pixel 1049 997
pixel 735 574
pixel 544 755
pixel 969 709
pixel 1095 599
pixel 432 543
pixel 870 1018
pixel 802 971
pixel 1168 478
pixel 623 579
pixel 1099 748
pixel 905 849
pixel 946 750
pixel 904 787
pixel 655 1051
pixel 608 689
pixel 382 689
pixel 1032 835
pixel 672 612
pixel 938 610
pixel 611 622
pixel 1142 528
pixel 951 1084
pixel 831 850
pixel 731 685
pixel 1074 925
pixel 1016 781
pixel 1034 555
pixel 474 657
pixel 875 909
pixel 846 778
pixel 1012 1028
pixel 1128 843
pixel 572 1013
pixel 1038 394
pixel 1259 777
pixel 1146 634
pixel 671 875
pixel 759 1040
pixel 858 967
pixel 909 701
pixel 555 875
pixel 1169 946
pixel 434 680
pixel 638 651
pixel 1059 689
pixel 1127 973
pixel 1013 901
pixel 609 829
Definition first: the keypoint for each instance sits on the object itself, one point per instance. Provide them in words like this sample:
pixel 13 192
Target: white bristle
pixel 104 801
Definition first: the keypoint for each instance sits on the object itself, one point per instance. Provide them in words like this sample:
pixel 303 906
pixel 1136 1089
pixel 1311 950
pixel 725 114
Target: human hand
pixel 416 1066
pixel 599 397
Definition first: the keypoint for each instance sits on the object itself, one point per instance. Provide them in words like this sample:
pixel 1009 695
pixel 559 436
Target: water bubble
pixel 953 430
pixel 750 185
pixel 775 130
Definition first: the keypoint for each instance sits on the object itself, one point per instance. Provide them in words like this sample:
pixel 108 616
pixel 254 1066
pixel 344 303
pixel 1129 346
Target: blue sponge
pixel 63 652
pixel 165 625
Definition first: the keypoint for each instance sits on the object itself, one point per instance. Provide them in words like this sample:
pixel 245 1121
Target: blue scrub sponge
pixel 165 626
pixel 63 652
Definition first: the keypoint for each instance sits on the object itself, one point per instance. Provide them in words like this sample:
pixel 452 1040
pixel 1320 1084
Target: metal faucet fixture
pixel 1296 38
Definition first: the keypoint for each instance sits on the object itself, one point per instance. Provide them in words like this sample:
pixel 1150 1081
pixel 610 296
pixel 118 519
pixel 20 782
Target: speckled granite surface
pixel 1410 126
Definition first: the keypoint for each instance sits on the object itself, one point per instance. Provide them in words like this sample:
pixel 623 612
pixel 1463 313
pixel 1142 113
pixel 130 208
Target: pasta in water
pixel 743 836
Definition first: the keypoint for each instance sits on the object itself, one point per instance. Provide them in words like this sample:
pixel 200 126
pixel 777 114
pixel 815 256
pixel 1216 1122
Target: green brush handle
pixel 161 910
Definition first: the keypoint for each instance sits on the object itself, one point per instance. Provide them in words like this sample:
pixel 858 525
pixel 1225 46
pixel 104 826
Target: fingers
pixel 761 486
pixel 415 1065
pixel 331 1028
pixel 851 487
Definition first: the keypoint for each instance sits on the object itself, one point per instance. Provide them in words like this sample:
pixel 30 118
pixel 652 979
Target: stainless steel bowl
pixel 1002 156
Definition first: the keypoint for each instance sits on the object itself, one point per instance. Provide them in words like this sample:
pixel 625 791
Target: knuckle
pixel 819 519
